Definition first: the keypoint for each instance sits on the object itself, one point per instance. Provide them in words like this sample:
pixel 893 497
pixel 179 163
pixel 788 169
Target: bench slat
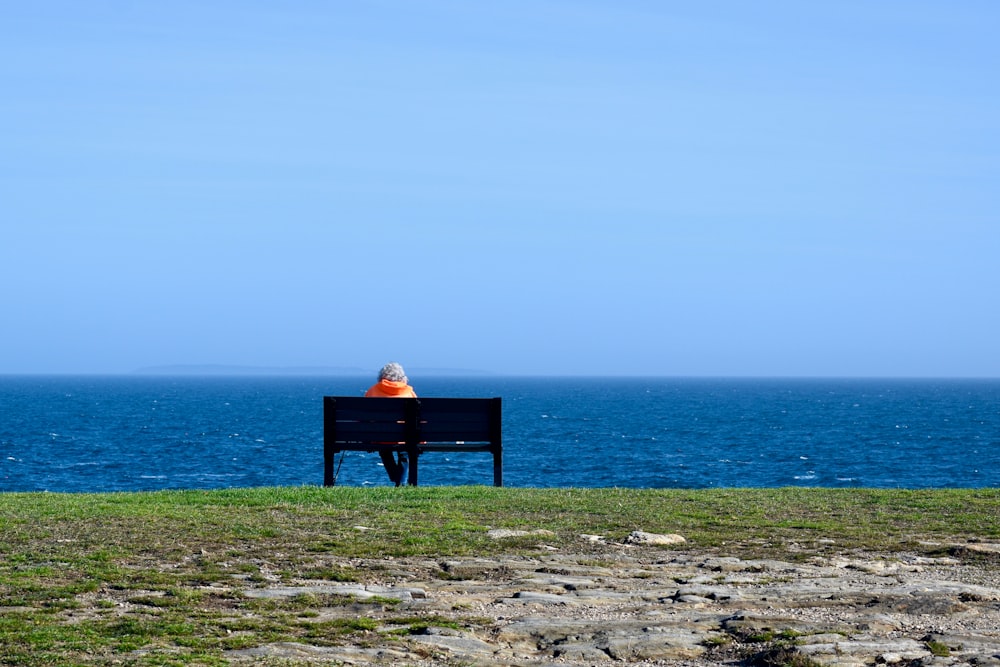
pixel 445 434
pixel 352 431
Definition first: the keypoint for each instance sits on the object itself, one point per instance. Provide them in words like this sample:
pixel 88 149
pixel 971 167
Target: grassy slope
pixel 65 554
pixel 453 520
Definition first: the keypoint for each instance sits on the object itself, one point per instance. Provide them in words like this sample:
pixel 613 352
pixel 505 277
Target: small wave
pixel 205 475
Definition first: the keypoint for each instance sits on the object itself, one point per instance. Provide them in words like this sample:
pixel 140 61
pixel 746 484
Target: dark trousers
pixel 398 471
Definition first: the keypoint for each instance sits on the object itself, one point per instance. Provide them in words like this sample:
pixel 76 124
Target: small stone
pixel 641 537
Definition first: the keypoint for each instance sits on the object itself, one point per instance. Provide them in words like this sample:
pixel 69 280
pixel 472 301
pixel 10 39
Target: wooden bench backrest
pixel 412 424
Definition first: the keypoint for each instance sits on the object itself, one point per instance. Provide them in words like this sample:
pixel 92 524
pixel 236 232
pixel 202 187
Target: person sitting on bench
pixel 393 383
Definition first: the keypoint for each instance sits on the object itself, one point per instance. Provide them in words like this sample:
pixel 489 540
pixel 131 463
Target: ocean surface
pixel 126 433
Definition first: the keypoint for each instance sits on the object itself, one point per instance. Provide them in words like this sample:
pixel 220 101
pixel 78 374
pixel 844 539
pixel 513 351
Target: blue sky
pixel 543 187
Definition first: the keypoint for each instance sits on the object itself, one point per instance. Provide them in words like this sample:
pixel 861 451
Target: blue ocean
pixel 130 433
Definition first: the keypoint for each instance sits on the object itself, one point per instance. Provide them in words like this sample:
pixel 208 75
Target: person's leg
pixel 391 468
pixel 404 469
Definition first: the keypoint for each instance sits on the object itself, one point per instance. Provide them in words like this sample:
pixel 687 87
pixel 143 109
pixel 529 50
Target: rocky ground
pixel 642 604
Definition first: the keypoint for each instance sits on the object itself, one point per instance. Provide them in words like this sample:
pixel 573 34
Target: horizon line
pixel 225 370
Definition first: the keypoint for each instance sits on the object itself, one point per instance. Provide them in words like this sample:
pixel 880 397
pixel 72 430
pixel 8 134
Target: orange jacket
pixel 391 389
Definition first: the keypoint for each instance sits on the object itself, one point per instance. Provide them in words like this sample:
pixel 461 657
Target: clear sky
pixel 528 186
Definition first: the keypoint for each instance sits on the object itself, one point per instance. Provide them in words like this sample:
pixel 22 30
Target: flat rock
pixel 504 533
pixel 615 603
pixel 360 592
pixel 342 655
pixel 543 598
pixel 457 643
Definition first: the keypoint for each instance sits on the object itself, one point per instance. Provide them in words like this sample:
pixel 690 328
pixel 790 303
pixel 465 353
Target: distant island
pixel 223 369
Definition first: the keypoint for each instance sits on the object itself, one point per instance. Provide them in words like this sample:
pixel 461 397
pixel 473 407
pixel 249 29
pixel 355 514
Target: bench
pixel 411 425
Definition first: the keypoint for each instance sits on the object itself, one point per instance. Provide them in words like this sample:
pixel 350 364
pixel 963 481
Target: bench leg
pixel 414 457
pixel 498 468
pixel 328 479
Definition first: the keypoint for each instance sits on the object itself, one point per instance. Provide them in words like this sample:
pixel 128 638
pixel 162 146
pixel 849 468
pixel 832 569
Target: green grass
pixel 148 578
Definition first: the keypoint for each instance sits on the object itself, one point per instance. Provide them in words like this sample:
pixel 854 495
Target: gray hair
pixel 392 372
